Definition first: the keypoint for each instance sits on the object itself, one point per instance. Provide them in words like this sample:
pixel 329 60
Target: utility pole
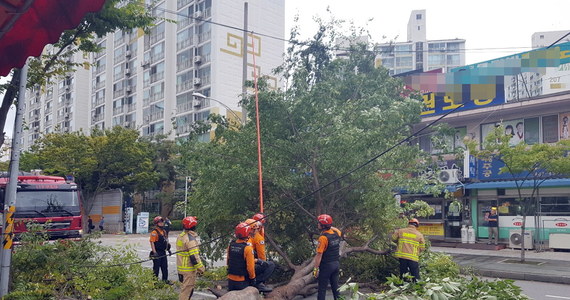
pixel 244 66
pixel 11 188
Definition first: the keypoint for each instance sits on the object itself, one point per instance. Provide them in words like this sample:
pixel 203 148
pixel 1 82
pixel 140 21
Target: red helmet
pixel 157 219
pixel 259 217
pixel 325 219
pixel 189 222
pixel 242 230
pixel 414 221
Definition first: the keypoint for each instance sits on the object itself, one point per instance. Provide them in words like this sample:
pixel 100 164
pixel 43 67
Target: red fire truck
pixel 50 200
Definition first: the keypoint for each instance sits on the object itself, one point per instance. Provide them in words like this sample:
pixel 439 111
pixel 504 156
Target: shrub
pixel 78 270
pixel 367 267
pixel 176 225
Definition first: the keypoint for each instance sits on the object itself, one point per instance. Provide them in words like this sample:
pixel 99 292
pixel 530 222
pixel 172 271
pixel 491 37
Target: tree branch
pixel 281 252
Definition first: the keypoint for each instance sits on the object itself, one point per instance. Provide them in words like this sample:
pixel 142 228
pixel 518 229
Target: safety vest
pixel 332 253
pixel 236 260
pixel 187 252
pixel 410 243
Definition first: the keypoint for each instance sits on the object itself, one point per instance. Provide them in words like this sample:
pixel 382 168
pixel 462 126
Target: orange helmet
pixel 259 217
pixel 252 223
pixel 189 222
pixel 242 230
pixel 325 219
pixel 414 221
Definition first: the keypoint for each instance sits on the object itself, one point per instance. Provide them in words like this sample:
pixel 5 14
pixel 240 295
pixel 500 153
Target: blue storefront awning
pixel 511 184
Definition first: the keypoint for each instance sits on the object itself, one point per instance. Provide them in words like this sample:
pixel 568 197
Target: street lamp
pixel 202 96
pixel 187 179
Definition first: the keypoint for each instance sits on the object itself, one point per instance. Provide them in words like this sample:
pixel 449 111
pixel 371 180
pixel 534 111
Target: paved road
pixel 535 290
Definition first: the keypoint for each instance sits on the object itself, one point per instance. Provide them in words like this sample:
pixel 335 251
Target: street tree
pixel 528 165
pixel 106 159
pixel 336 114
pixel 115 15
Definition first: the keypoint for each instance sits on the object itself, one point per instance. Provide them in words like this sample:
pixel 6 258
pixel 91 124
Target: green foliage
pixel 438 265
pixel 418 209
pixel 176 225
pixel 73 270
pixel 330 120
pixel 114 158
pixel 367 267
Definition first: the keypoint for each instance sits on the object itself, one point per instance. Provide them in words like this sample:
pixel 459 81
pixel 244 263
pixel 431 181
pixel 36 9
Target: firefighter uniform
pixel 329 247
pixel 411 243
pixel 241 265
pixel 188 262
pixel 263 268
pixel 159 263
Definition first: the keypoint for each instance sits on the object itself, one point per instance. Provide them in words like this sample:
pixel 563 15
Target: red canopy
pixel 26 26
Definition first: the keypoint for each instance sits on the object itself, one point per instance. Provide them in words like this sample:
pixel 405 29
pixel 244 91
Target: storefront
pixel 549 208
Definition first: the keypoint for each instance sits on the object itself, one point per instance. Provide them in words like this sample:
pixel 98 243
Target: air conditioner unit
pixel 128 53
pixel 196 103
pixel 67 88
pixel 197 81
pixel 450 176
pixel 197 59
pixel 145 64
pixel 198 14
pixel 127 124
pixel 67 116
pixel 516 239
pixel 127 72
pixel 128 89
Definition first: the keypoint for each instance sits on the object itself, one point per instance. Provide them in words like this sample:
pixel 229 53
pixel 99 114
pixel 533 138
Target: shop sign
pixel 431 229
pixel 561 224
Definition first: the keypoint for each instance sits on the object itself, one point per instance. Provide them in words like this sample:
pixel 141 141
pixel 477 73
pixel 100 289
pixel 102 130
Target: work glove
pixel 201 270
pixel 169 252
pixel 152 255
pixel 253 282
pixel 316 272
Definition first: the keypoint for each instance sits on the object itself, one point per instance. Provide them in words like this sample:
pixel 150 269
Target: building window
pixel 418 16
pixel 550 129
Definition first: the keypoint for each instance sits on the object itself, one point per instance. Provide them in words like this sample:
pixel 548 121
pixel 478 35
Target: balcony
pixel 118 93
pixel 156 96
pixel 183 65
pixel 184 107
pixel 183 44
pixel 98 85
pixel 183 23
pixel 119 58
pixel 156 38
pixel 204 37
pixel 184 86
pixel 96 118
pixel 99 101
pixel 156 77
pixel 118 110
pixel 131 107
pixel 184 128
pixel 156 116
pixel 157 57
pixel 182 3
pixel 119 40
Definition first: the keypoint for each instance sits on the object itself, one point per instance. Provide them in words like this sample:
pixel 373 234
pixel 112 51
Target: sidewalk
pixel 553 267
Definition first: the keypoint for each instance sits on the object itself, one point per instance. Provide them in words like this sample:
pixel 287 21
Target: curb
pixel 520 276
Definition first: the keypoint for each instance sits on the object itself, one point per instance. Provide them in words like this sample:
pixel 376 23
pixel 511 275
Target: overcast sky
pixel 483 24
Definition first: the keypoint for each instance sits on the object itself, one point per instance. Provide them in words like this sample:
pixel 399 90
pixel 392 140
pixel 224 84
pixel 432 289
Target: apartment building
pixel 547 38
pixel 149 81
pixel 419 53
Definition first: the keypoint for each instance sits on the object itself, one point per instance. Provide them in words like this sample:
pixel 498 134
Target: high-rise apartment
pixel 547 38
pixel 419 53
pixel 147 81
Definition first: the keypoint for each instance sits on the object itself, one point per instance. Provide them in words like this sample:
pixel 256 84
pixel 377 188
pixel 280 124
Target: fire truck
pixel 49 200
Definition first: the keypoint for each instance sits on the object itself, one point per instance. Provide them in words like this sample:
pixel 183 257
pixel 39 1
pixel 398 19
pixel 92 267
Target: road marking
pixel 557 297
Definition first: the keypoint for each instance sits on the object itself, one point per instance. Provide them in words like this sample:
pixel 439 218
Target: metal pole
pixel 244 66
pixel 10 203
pixel 185 195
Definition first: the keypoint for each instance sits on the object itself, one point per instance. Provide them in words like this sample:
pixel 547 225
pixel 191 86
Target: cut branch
pixel 281 252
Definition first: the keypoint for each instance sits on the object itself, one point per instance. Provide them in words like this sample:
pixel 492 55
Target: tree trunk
pixel 9 96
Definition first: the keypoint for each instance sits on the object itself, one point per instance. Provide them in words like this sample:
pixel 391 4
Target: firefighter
pixel 263 268
pixel 188 258
pixel 159 245
pixel 326 262
pixel 240 260
pixel 411 243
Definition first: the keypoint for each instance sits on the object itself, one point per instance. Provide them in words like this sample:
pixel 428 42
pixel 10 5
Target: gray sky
pixel 484 24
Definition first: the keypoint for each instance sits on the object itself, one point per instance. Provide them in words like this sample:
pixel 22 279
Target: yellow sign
pixel 431 229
